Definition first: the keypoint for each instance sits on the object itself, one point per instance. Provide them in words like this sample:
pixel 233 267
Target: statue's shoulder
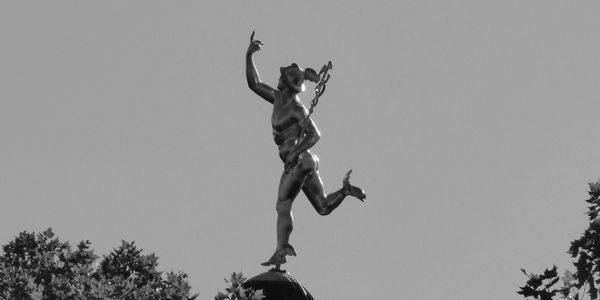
pixel 299 109
pixel 299 106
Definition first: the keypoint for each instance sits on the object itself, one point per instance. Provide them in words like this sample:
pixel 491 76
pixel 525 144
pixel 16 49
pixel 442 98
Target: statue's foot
pixel 278 258
pixel 275 260
pixel 350 190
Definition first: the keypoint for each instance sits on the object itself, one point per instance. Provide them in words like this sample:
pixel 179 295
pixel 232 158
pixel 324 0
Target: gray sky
pixel 472 126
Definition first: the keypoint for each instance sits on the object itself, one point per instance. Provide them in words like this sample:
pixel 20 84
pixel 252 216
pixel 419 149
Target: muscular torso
pixel 287 120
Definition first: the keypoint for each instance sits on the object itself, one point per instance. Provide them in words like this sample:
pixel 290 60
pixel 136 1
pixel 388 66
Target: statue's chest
pixel 282 117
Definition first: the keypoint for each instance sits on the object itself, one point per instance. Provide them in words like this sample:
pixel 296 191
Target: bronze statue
pixel 295 133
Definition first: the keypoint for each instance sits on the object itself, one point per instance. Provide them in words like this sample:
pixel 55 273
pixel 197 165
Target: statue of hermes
pixel 295 134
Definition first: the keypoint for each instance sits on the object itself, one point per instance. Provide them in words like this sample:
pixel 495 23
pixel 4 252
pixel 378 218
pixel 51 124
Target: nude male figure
pixel 289 119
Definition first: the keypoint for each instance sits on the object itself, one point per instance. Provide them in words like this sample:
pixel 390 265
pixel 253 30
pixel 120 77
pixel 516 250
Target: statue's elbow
pixel 323 212
pixel 252 84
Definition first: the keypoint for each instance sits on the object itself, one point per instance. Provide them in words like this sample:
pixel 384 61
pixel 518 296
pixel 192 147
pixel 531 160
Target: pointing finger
pixel 252 37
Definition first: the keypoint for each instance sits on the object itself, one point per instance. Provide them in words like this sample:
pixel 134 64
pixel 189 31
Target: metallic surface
pixel 295 133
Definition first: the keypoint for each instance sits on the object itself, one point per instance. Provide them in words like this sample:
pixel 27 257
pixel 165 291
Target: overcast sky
pixel 472 126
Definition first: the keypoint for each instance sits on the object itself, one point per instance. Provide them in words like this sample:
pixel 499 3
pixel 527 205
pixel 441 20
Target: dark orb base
pixel 278 285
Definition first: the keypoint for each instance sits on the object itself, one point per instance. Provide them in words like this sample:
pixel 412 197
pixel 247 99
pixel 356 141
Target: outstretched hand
pixel 254 45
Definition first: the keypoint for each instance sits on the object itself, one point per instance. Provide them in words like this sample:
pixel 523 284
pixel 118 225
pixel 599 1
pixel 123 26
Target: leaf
pixel 48 233
pixel 553 282
pixel 221 296
pixel 258 295
pixel 575 246
pixel 527 291
pixel 534 281
pixel 594 186
pixel 568 277
pixel 549 273
pixel 237 278
pixel 546 295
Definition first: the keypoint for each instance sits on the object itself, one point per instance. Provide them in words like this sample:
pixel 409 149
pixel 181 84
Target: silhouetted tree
pixel 39 266
pixel 585 251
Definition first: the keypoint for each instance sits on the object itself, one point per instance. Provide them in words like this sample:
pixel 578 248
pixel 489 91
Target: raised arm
pixel 263 90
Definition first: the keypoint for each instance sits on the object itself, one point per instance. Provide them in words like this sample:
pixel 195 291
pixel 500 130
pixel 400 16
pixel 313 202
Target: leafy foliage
pixel 235 290
pixel 41 267
pixel 586 254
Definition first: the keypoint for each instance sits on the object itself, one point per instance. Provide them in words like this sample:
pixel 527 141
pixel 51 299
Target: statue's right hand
pixel 254 45
pixel 291 160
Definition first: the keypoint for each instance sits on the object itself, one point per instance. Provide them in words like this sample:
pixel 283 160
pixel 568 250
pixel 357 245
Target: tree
pixel 236 291
pixel 39 266
pixel 585 251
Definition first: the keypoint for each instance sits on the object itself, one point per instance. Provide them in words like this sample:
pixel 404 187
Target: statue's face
pixel 291 77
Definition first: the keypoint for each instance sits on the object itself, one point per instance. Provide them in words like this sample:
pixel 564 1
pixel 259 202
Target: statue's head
pixel 292 77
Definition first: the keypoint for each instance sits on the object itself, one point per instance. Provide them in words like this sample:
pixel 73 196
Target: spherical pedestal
pixel 278 285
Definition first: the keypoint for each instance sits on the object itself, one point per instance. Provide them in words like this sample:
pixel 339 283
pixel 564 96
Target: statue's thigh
pixel 290 185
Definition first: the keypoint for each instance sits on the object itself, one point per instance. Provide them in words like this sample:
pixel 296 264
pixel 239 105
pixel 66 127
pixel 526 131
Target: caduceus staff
pixel 295 133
